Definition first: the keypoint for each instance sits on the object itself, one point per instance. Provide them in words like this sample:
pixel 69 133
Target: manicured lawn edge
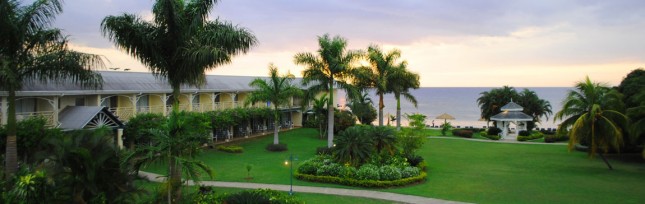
pixel 363 183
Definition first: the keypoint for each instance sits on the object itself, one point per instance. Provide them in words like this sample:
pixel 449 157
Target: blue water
pixel 460 103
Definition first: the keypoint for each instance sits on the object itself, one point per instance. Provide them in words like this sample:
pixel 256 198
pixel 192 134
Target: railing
pixel 48 115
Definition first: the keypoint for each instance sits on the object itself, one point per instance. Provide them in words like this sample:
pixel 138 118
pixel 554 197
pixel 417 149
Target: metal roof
pixel 78 117
pixel 512 106
pixel 116 82
pixel 512 116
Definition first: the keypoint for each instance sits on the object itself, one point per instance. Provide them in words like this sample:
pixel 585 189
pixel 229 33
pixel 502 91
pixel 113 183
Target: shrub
pixel 348 172
pixel 422 165
pixel 363 183
pixel 389 173
pixel 556 138
pixel 324 150
pixel 230 148
pixel 483 134
pixel 409 141
pixel 494 131
pixel 445 128
pixel 492 137
pixel 535 135
pixel 409 171
pixel 524 133
pixel 309 167
pixel 343 120
pixel 331 169
pixel 368 172
pixel 414 160
pixel 463 133
pixel 276 147
pixel 259 196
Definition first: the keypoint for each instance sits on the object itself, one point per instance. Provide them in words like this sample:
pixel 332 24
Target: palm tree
pixel 490 103
pixel 31 51
pixel 400 81
pixel 332 62
pixel 361 107
pixel 319 109
pixel 534 106
pixel 353 145
pixel 377 74
pixel 178 142
pixel 88 165
pixel 384 139
pixel 636 115
pixel 592 113
pixel 180 44
pixel 278 90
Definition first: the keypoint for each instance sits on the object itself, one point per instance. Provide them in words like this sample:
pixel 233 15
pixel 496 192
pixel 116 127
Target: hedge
pixel 492 137
pixel 463 133
pixel 536 135
pixel 362 183
pixel 230 148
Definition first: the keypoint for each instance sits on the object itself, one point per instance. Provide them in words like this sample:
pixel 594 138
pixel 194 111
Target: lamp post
pixel 290 163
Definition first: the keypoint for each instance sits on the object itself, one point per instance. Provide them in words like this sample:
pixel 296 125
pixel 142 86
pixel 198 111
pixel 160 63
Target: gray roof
pixel 512 116
pixel 78 117
pixel 512 107
pixel 116 82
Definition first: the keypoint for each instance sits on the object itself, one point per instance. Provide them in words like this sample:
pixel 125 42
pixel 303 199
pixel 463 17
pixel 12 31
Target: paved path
pixel 309 189
pixel 496 141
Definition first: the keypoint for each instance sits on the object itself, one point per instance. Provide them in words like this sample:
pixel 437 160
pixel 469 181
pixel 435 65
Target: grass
pixel 463 170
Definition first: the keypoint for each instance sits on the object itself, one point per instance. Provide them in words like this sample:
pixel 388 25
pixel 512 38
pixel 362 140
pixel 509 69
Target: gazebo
pixel 511 114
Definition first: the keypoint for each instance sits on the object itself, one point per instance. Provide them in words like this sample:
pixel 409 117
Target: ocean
pixel 460 102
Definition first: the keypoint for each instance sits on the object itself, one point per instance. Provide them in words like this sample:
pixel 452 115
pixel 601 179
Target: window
pixel 142 102
pixel 26 105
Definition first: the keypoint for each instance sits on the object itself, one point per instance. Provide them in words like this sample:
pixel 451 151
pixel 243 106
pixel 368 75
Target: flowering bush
pixel 389 173
pixel 368 172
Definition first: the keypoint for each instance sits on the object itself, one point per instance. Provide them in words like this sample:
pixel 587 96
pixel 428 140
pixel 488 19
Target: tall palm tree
pixel 328 69
pixel 592 113
pixel 377 74
pixel 180 44
pixel 32 51
pixel 534 106
pixel 400 82
pixel 278 90
pixel 491 102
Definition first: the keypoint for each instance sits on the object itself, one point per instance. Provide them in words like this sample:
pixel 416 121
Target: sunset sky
pixel 461 43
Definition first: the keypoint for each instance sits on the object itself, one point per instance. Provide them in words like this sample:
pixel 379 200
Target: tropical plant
pixel 445 128
pixel 400 82
pixel 32 51
pixel 343 120
pixel 633 89
pixel 176 143
pixel 637 118
pixel 327 69
pixel 417 120
pixel 86 164
pixel 353 146
pixel 377 75
pixel 592 112
pixel 136 130
pixel 319 109
pixel 384 139
pixel 361 107
pixel 534 106
pixel 278 90
pixel 491 102
pixel 181 43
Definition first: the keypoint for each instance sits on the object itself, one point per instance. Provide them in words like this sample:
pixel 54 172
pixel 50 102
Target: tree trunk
pixel 330 115
pixel 380 109
pixel 175 179
pixel 605 160
pixel 11 156
pixel 398 112
pixel 275 124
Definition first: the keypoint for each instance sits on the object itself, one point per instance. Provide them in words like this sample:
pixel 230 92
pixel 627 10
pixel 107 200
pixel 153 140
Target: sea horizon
pixel 460 102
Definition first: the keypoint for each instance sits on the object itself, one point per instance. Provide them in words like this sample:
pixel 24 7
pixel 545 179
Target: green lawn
pixel 462 170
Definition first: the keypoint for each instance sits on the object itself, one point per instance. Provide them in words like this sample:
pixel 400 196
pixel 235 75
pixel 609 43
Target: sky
pixel 457 43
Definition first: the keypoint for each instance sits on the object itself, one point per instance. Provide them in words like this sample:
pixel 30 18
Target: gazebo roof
pixel 83 117
pixel 512 106
pixel 511 116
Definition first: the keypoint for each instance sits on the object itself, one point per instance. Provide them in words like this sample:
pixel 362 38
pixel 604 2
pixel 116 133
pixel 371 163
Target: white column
pixel 54 104
pixel 5 106
pixel 119 138
pixel 133 99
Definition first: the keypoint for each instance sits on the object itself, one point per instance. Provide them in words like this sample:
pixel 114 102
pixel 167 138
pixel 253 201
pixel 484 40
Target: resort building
pixel 125 94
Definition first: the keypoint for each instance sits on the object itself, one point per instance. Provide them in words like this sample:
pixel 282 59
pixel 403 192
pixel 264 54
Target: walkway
pixel 496 141
pixel 309 189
